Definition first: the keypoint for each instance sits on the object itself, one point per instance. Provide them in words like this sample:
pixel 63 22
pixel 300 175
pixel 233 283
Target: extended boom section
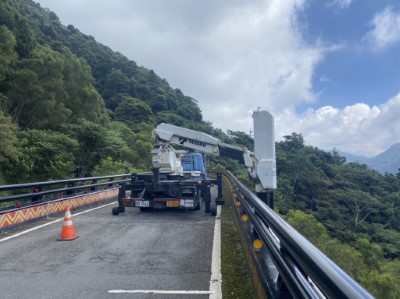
pixel 201 142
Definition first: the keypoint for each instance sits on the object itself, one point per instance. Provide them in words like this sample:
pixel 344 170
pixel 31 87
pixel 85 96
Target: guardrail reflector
pixel 257 244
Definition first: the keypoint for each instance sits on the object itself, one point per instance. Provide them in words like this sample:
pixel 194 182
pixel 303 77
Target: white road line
pixel 96 208
pixel 215 282
pixel 159 292
pixel 216 277
pixel 52 222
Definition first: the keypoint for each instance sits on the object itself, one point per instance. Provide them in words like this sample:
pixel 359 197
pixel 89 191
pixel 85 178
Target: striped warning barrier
pixel 14 217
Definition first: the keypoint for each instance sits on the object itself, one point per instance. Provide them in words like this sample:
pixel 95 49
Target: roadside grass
pixel 236 279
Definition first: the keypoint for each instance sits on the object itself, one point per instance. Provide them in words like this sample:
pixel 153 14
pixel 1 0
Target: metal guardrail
pixel 22 197
pixel 301 270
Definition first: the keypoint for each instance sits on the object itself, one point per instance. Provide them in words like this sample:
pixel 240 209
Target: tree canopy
pixel 62 91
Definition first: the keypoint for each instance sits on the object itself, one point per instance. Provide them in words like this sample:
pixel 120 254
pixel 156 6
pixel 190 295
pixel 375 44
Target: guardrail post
pixel 111 184
pixel 70 185
pixel 93 188
pixel 37 189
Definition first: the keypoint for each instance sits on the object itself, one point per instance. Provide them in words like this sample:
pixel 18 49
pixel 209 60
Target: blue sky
pixel 327 69
pixel 357 71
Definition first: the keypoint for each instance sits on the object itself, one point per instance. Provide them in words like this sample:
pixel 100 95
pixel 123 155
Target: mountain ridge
pixel 386 162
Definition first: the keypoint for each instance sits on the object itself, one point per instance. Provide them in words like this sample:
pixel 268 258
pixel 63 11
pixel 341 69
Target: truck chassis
pixel 148 192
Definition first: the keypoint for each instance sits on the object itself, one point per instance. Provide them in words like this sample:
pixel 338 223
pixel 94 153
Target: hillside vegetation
pixel 70 106
pixel 350 212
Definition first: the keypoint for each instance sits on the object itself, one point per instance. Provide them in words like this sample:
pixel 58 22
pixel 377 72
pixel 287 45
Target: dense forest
pixel 72 107
pixel 350 212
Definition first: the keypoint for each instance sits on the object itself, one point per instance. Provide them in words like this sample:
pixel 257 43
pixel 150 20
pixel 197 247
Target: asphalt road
pixel 135 251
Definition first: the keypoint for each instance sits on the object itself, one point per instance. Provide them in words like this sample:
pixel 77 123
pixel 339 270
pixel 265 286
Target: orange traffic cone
pixel 68 229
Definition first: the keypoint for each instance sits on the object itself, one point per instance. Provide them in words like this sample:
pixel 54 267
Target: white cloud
pixel 234 56
pixel 325 79
pixel 358 129
pixel 231 55
pixel 386 29
pixel 342 4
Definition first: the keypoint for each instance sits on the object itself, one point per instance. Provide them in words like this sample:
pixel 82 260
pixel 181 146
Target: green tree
pixel 93 145
pixel 11 17
pixel 388 238
pixel 189 109
pixel 51 88
pixel 371 253
pixel 294 141
pixel 158 101
pixel 81 97
pixel 114 99
pixel 381 285
pixel 142 143
pixel 127 151
pixel 133 112
pixel 49 155
pixel 109 167
pixel 393 267
pixel 8 55
pixel 242 138
pixel 170 117
pixel 360 204
pixel 308 226
pixel 9 151
pixel 116 82
pixel 36 92
pixel 345 256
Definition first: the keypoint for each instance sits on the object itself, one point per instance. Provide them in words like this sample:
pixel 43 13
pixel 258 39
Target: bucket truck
pixel 179 179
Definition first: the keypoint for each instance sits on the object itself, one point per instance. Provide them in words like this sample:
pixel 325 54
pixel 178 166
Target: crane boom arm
pixel 261 164
pixel 201 142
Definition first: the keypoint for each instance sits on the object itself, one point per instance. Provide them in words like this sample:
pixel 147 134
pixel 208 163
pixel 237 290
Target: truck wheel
pixel 115 211
pixel 121 209
pixel 214 212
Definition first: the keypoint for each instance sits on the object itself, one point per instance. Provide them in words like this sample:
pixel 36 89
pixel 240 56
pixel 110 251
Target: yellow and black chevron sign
pixel 20 216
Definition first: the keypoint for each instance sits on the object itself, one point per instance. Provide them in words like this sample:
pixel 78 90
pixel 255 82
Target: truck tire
pixel 121 209
pixel 115 211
